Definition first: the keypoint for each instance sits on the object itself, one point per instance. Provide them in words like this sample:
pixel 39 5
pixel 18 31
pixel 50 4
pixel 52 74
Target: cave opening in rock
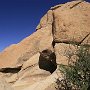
pixel 10 70
pixel 47 60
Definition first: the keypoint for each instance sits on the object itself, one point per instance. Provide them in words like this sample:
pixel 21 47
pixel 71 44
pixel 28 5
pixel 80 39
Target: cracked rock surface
pixel 61 30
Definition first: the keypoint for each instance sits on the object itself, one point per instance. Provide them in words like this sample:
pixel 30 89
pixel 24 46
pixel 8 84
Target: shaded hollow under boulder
pixel 11 70
pixel 47 61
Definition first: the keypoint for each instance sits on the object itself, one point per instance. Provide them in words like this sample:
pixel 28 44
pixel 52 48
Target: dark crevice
pixel 53 43
pixel 10 70
pixel 68 42
pixel 47 61
pixel 76 4
pixel 73 43
pixel 53 24
pixel 55 7
pixel 31 66
pixel 84 38
pixel 53 29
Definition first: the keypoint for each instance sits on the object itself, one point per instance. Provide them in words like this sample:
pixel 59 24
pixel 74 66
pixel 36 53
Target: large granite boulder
pixel 72 23
pixel 62 30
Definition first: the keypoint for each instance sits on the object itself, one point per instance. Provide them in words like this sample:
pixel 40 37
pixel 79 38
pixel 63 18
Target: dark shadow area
pixel 47 61
pixel 53 44
pixel 88 88
pixel 11 70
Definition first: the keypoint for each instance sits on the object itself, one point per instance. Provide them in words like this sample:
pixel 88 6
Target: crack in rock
pixel 10 70
pixel 84 38
pixel 76 4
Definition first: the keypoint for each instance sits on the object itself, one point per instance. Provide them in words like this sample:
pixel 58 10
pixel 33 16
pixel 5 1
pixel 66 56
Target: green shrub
pixel 76 76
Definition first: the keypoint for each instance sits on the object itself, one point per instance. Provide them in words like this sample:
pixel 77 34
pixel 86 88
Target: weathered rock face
pixel 71 25
pixel 26 48
pixel 65 52
pixel 62 30
pixel 47 20
pixel 4 85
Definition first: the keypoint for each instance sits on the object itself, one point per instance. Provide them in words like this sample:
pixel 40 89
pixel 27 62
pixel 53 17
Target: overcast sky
pixel 19 18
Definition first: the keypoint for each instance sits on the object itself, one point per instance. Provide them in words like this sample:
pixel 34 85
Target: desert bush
pixel 77 75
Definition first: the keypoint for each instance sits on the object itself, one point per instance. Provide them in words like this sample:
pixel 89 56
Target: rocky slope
pixel 61 30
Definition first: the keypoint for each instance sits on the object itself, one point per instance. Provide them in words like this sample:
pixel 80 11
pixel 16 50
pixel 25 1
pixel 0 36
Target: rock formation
pixel 61 30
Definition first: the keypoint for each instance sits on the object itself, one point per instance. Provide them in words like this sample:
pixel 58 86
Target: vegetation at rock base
pixel 76 76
